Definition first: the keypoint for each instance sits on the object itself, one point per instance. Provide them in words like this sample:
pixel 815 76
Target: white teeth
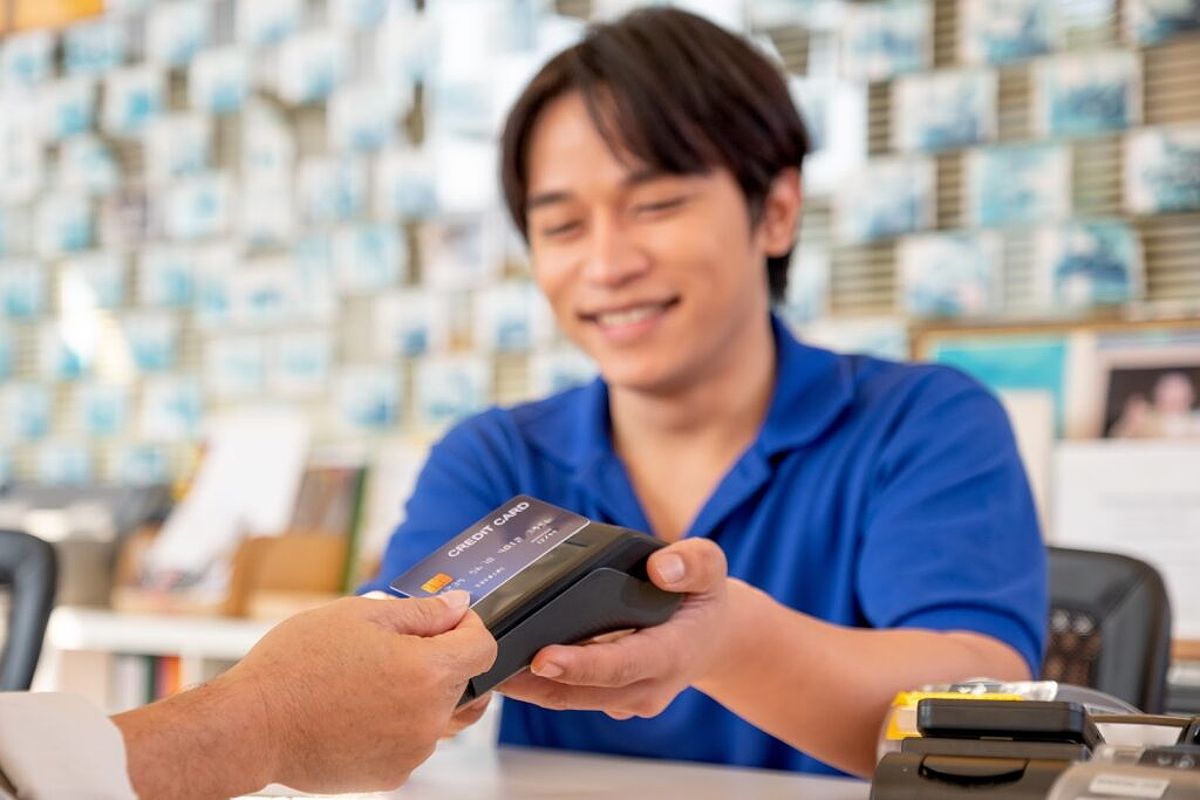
pixel 628 317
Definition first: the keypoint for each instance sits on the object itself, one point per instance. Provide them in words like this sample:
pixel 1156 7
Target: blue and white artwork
pixel 882 337
pixel 92 280
pixel 559 369
pixel 368 258
pixel 152 340
pixel 888 198
pixel 132 98
pixel 6 353
pixel 213 301
pixel 22 290
pixel 177 31
pixel 1085 264
pixel 167 277
pixel 267 213
pixel 26 408
pixel 93 48
pixel 22 158
pixel 1150 22
pixel 235 367
pixel 835 118
pixel 199 207
pixel 449 388
pixel 511 317
pixel 807 294
pixel 944 110
pixel 1087 94
pixel 178 146
pixel 16 234
pixel 363 117
pixel 333 189
pixel 86 163
pixel 1018 184
pixel 67 349
pixel 950 274
pixel 461 251
pixel 363 15
pixel 64 463
pixel 268 146
pixel 1162 169
pixel 102 410
pixel 301 364
pixel 264 293
pixel 172 409
pixel 141 465
pixel 411 322
pixel 1007 31
pixel 219 79
pixel 267 22
pixel 67 107
pixel 885 39
pixel 311 65
pixel 367 399
pixel 65 224
pixel 26 59
pixel 404 185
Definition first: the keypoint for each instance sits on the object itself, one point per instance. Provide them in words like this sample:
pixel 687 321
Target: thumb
pixel 470 646
pixel 425 616
pixel 694 566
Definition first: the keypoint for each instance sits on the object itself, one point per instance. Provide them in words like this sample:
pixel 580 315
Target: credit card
pixel 493 551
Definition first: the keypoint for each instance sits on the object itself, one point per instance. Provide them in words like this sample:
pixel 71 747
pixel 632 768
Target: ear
pixel 780 213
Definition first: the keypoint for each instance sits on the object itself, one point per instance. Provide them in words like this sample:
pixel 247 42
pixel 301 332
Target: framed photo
pixel 310 66
pixel 101 410
pixel 951 274
pixel 362 15
pixel 367 398
pixel 64 463
pixel 267 22
pixel 22 159
pixel 411 322
pixel 26 409
pixel 301 364
pixel 268 145
pixel 86 164
pixel 172 409
pixel 212 291
pixel 369 258
pixel 64 224
pixel 137 464
pixel 167 277
pixel 888 198
pixel 333 189
pixel 1007 31
pixel 92 48
pixel 1084 264
pixel 461 251
pixel 1162 169
pixel 235 367
pixel 511 317
pixel 153 341
pixel 199 207
pixel 7 346
pixel 1018 184
pixel 267 215
pixel 67 107
pixel 807 296
pixel 178 145
pixel 26 59
pixel 219 79
pixel 449 388
pixel 262 294
pixel 404 185
pixel 458 162
pixel 364 117
pixel 944 110
pixel 15 233
pixel 176 32
pixel 1086 94
pixel 132 97
pixel 66 350
pixel 882 40
pixel 556 370
pixel 22 290
pixel 1150 22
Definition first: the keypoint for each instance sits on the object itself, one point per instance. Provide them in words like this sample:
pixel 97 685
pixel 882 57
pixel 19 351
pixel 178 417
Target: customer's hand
pixel 358 692
pixel 640 674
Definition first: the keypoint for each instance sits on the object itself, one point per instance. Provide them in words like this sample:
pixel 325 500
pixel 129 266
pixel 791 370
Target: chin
pixel 639 375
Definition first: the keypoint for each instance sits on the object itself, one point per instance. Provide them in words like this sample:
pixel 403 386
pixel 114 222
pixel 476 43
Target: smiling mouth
pixel 630 315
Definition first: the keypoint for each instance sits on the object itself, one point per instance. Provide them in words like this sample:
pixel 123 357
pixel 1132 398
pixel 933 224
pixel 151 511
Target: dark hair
pixel 676 92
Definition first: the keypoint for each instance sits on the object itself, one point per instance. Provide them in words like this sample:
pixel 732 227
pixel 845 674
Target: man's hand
pixel 350 696
pixel 640 674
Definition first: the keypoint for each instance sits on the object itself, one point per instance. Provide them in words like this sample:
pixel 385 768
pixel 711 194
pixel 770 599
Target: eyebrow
pixel 629 181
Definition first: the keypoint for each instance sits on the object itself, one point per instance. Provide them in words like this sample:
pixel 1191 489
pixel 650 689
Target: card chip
pixel 437 583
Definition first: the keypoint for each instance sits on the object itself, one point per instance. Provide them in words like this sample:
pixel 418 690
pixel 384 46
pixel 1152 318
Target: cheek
pixel 554 281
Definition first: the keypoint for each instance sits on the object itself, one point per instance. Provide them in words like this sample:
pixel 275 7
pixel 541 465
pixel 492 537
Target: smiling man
pixel 843 527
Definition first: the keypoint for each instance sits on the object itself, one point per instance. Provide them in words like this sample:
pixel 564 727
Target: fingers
pixel 427 616
pixel 470 646
pixel 638 700
pixel 610 664
pixel 692 565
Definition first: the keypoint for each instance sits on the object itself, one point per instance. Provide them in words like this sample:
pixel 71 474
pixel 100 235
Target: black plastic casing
pixel 595 582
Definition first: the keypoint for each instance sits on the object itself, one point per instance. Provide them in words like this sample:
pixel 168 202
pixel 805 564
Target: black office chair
pixel 29 570
pixel 1110 626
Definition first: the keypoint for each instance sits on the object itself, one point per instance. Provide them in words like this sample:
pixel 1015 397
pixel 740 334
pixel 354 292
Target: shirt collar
pixel 812 388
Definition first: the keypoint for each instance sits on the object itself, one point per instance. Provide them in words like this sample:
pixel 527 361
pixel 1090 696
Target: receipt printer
pixel 541 575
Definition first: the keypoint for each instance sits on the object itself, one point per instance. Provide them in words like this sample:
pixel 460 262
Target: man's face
pixel 656 276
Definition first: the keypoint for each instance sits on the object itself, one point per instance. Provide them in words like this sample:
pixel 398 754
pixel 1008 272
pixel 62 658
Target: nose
pixel 614 258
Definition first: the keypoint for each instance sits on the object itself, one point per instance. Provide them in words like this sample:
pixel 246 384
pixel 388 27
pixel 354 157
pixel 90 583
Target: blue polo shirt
pixel 876 495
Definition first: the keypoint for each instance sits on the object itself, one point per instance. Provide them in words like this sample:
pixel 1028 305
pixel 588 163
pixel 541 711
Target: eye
pixel 657 207
pixel 562 229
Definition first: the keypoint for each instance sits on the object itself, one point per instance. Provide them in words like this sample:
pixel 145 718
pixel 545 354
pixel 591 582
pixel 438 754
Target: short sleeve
pixel 951 538
pixel 467 474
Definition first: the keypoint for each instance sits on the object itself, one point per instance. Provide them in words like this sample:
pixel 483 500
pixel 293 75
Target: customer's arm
pixel 351 696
